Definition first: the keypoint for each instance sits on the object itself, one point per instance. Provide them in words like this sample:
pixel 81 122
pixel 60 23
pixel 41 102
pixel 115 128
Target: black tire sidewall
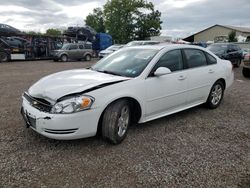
pixel 7 57
pixel 209 100
pixel 115 108
pixel 246 72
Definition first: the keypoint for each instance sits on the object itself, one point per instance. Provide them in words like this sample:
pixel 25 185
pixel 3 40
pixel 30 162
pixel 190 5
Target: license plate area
pixel 29 119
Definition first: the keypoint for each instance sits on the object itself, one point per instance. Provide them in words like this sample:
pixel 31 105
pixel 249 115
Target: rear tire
pixel 116 121
pixel 88 57
pixel 246 72
pixel 237 63
pixel 4 57
pixel 64 58
pixel 216 95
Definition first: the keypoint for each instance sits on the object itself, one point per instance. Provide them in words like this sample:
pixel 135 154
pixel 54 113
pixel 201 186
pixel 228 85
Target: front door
pixel 168 92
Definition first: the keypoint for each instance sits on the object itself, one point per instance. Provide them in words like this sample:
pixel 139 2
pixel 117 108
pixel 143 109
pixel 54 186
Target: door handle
pixel 181 77
pixel 211 71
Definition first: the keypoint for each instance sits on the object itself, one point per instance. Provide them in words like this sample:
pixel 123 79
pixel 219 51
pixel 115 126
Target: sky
pixel 181 18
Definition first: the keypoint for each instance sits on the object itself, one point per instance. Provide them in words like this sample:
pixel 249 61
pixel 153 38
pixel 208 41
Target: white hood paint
pixel 106 51
pixel 57 85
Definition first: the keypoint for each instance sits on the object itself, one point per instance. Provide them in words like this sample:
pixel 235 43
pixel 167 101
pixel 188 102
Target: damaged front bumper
pixel 61 126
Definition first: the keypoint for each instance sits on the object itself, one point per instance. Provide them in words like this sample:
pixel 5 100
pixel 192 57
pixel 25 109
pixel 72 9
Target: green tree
pixel 33 33
pixel 148 24
pixel 127 20
pixel 53 32
pixel 232 37
pixel 96 20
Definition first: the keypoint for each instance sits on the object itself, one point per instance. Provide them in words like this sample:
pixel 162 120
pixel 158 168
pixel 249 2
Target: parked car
pixel 246 65
pixel 7 30
pixel 228 51
pixel 141 42
pixel 74 52
pixel 81 33
pixel 109 50
pixel 136 84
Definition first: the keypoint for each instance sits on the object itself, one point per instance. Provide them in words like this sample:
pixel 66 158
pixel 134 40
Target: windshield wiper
pixel 109 72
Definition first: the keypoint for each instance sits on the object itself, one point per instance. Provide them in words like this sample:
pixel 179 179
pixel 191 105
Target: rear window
pixel 217 47
pixel 72 47
pixel 210 59
pixel 195 58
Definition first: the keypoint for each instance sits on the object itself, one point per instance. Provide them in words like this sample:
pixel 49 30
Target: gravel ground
pixel 195 148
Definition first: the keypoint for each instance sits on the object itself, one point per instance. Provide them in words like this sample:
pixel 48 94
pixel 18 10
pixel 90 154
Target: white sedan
pixel 132 85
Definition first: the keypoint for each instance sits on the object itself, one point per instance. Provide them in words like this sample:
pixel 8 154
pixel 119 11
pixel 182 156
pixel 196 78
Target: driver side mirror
pixel 162 71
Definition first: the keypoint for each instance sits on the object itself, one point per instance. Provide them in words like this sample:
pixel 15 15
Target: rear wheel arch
pixel 222 80
pixel 136 111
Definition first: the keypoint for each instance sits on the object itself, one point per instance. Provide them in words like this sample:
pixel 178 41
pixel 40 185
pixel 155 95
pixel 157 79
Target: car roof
pixel 167 46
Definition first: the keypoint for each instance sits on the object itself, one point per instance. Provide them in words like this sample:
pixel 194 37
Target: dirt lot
pixel 195 148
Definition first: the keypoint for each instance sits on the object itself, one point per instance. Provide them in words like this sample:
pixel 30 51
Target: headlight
pixel 74 104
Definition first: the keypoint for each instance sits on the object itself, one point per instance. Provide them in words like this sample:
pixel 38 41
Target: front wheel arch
pixel 136 111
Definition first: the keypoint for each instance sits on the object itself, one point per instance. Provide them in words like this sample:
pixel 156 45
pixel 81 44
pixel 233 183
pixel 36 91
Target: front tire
pixel 116 121
pixel 64 58
pixel 216 95
pixel 4 57
pixel 246 72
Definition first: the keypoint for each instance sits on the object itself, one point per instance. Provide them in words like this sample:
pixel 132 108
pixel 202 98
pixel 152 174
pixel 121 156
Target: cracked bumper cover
pixel 62 126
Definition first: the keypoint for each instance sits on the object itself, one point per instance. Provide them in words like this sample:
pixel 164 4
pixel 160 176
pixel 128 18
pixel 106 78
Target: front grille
pixel 60 131
pixel 40 104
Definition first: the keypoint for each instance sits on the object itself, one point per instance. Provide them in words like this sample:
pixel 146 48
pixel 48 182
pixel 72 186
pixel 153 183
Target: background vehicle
pixel 246 65
pixel 6 30
pixel 73 51
pixel 228 51
pixel 109 50
pixel 141 42
pixel 102 41
pixel 81 33
pixel 21 46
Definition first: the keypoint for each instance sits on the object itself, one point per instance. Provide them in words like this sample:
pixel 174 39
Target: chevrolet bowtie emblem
pixel 34 103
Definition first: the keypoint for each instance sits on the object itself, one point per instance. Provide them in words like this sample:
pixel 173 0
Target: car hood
pixel 106 51
pixel 64 83
pixel 60 50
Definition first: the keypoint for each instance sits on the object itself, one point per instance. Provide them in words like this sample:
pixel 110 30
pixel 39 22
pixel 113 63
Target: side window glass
pixel 73 47
pixel 210 59
pixel 81 46
pixel 230 48
pixel 171 60
pixel 195 58
pixel 88 46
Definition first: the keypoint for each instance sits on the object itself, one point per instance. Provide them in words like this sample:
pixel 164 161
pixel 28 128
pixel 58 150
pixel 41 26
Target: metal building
pixel 217 32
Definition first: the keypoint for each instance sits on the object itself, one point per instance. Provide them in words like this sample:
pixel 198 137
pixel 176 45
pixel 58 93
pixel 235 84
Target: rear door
pixel 201 74
pixel 73 51
pixel 168 92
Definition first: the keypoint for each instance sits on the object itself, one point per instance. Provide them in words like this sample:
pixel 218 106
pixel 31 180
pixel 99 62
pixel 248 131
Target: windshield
pixel 65 47
pixel 127 62
pixel 217 48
